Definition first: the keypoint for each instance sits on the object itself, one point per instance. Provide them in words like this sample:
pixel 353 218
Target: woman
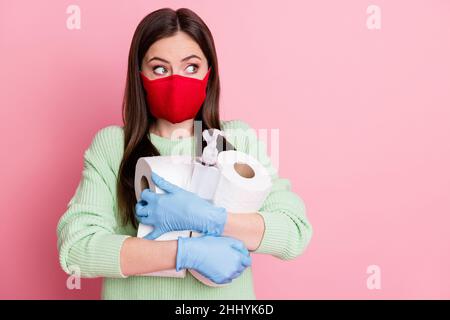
pixel 97 233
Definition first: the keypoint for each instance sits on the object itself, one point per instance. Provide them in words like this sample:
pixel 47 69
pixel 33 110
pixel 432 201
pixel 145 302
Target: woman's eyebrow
pixel 191 56
pixel 184 59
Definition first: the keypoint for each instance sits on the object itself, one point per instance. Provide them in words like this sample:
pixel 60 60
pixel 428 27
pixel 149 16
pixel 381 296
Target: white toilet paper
pixel 176 170
pixel 204 180
pixel 244 183
pixel 242 187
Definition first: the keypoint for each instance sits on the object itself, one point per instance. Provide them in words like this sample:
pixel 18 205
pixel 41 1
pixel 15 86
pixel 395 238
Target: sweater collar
pixel 181 146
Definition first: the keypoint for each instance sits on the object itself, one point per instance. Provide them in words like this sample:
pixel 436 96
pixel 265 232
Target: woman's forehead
pixel 175 48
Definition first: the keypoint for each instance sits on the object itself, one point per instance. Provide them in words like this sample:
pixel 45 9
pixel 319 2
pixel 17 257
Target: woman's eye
pixel 191 68
pixel 159 70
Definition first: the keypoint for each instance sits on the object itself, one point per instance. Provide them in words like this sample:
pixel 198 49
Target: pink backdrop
pixel 363 118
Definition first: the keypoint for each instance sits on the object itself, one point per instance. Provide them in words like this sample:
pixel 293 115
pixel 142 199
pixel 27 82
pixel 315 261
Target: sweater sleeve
pixel 87 240
pixel 287 229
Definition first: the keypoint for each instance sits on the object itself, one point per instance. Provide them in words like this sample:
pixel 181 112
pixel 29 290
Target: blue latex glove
pixel 220 259
pixel 178 209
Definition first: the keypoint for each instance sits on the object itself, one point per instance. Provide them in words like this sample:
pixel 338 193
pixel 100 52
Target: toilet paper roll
pixel 243 185
pixel 176 170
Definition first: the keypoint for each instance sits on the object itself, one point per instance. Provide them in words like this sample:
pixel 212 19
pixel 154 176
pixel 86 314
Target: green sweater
pixel 90 234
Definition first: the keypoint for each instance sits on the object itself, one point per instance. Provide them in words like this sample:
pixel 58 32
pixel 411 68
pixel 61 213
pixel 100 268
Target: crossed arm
pixel 143 256
pixel 88 236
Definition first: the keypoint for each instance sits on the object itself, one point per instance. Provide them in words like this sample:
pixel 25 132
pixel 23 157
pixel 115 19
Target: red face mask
pixel 175 98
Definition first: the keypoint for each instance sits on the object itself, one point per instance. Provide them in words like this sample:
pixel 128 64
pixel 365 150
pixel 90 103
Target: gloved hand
pixel 220 259
pixel 178 209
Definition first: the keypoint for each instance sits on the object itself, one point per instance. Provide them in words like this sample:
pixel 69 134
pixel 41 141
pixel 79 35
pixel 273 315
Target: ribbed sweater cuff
pixel 107 255
pixel 275 238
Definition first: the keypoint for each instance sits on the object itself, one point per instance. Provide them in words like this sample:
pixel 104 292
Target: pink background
pixel 363 118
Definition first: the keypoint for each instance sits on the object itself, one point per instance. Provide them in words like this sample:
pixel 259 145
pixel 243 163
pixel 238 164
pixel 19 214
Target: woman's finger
pixel 141 209
pixel 156 233
pixel 240 246
pixel 246 261
pixel 164 184
pixel 148 195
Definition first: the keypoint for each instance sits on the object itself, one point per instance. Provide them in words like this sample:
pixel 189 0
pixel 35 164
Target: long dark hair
pixel 135 113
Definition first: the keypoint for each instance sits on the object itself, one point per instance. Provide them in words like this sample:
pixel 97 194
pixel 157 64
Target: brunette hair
pixel 136 116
